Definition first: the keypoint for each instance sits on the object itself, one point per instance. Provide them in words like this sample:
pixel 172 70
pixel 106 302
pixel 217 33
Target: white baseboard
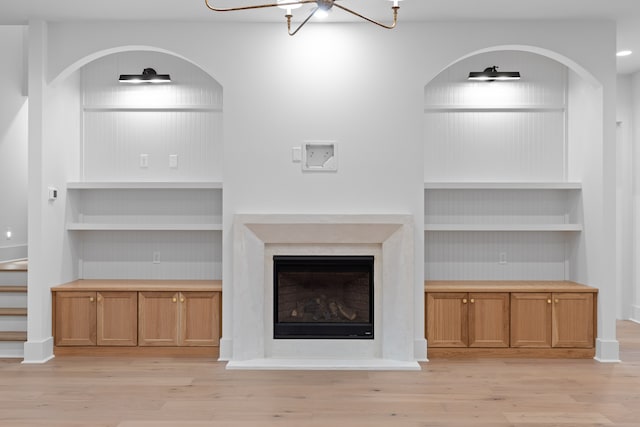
pixel 607 351
pixel 635 313
pixel 37 352
pixel 226 350
pixel 420 350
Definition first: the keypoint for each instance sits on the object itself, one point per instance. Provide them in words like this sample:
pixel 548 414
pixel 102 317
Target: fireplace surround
pixel 248 337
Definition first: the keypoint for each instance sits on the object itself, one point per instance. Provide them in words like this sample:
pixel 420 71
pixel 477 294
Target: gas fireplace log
pixel 346 312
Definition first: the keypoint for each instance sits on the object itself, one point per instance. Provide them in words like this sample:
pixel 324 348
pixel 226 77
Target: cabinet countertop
pixel 506 286
pixel 141 285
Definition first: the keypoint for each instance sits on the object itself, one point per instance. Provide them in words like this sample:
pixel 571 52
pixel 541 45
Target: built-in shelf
pixel 80 226
pixel 170 108
pixel 115 185
pixel 495 108
pixel 502 186
pixel 503 227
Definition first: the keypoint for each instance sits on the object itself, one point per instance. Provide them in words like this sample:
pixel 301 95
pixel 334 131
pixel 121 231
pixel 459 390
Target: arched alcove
pixel 515 174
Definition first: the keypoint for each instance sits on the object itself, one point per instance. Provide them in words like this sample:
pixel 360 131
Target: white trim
pixel 38 352
pixel 324 364
pixel 123 185
pixel 635 313
pixel 607 351
pixel 502 186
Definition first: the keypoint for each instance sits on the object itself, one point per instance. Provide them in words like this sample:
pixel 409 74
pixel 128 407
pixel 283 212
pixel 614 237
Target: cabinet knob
pixel 174 299
pixel 182 299
pixel 91 299
pixel 472 301
pixel 557 300
pixel 464 300
pixel 548 301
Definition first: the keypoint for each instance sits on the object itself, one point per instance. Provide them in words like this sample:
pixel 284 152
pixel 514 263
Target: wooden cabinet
pixel 75 318
pixel 117 318
pixel 467 319
pixel 137 314
pixel 532 319
pixel 552 320
pixel 85 318
pixel 179 318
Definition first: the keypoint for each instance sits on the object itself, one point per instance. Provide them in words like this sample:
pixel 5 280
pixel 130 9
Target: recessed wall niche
pixel 131 130
pixel 497 131
pixel 147 203
pixel 498 204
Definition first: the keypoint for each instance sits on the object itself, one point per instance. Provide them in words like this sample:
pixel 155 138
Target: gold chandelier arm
pixel 301 24
pixel 380 24
pixel 258 6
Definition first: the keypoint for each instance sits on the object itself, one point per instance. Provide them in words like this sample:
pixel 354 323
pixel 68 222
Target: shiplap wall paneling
pixel 114 141
pixel 471 255
pixel 188 255
pixel 497 130
pixel 500 206
pixel 147 206
pixel 494 145
pixel 123 121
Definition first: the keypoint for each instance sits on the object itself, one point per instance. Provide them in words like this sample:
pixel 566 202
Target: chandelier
pixel 322 7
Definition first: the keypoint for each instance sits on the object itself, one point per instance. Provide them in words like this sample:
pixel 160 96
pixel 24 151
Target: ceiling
pixel 626 13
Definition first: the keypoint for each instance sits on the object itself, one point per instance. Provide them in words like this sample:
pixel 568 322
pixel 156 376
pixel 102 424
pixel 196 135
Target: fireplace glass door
pixel 323 297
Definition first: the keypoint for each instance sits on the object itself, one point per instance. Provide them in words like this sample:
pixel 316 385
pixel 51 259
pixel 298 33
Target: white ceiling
pixel 626 13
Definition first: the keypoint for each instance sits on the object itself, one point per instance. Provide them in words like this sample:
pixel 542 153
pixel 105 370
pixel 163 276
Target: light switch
pixel 173 161
pixel 144 160
pixel 296 154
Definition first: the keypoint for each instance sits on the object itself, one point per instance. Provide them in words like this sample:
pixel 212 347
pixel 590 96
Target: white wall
pixel 13 143
pixel 635 125
pixel 347 82
pixel 624 192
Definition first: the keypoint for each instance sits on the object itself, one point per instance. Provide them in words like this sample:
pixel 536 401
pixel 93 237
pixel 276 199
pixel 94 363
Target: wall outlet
pixel 503 258
pixel 173 161
pixel 156 257
pixel 144 160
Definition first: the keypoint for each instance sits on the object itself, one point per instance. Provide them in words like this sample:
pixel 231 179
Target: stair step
pixel 15 265
pixel 13 288
pixel 13 311
pixel 13 336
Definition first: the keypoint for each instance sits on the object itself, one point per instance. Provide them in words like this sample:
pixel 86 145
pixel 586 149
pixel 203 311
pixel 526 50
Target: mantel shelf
pixel 143 185
pixel 503 227
pixel 144 108
pixel 492 108
pixel 502 186
pixel 80 226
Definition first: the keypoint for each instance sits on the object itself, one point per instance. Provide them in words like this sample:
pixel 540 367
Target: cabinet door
pixel 158 318
pixel 75 319
pixel 117 318
pixel 447 318
pixel 531 320
pixel 199 319
pixel 573 320
pixel 489 319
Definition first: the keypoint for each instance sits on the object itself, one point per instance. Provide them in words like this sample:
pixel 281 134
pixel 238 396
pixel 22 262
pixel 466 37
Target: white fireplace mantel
pixel 256 238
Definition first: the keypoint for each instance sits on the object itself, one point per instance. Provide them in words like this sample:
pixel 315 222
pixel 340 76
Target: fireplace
pixel 248 314
pixel 323 297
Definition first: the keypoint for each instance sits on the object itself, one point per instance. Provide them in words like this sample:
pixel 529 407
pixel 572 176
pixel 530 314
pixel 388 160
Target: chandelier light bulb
pixel 321 9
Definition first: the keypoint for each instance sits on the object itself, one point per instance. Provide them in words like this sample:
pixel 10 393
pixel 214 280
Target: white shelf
pixel 80 226
pixel 492 109
pixel 503 227
pixel 115 185
pixel 502 186
pixel 154 108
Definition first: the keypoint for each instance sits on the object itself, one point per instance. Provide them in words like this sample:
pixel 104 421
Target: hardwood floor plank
pixel 74 391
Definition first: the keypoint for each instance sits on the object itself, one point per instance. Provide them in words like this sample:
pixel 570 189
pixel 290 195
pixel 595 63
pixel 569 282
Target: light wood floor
pixel 145 392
